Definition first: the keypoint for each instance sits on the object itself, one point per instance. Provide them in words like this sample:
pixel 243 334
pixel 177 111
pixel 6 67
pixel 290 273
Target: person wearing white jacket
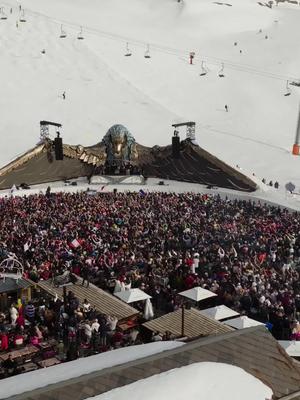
pixel 13 314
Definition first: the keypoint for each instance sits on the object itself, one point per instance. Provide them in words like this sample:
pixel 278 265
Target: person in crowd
pixel 13 314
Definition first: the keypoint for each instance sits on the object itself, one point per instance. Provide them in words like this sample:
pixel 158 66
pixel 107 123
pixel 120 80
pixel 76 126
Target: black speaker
pixel 58 148
pixel 115 190
pixel 176 146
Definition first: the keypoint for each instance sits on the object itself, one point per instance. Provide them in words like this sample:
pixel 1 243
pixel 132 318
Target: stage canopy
pixel 242 322
pixel 197 294
pixel 132 295
pixel 219 312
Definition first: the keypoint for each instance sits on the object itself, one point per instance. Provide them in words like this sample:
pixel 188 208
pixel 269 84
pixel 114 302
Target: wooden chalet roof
pixel 10 285
pixel 195 324
pixel 253 349
pixel 104 302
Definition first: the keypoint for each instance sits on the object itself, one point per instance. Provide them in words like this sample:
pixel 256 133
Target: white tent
pixel 242 322
pixel 132 295
pixel 291 347
pixel 219 312
pixel 197 294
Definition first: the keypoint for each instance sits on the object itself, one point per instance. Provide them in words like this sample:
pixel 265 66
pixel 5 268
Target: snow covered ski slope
pixel 104 87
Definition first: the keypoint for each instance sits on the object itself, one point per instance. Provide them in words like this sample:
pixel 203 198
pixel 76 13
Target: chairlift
pixel 147 52
pixel 128 52
pixel 221 72
pixel 203 69
pixel 80 35
pixel 3 15
pixel 22 18
pixel 288 89
pixel 62 33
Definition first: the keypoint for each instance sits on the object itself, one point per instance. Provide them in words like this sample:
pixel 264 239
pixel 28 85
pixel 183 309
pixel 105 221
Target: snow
pixel 147 95
pixel 199 381
pixel 291 347
pixel 58 373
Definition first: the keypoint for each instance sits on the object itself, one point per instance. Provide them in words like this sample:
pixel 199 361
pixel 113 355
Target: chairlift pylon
pixel 128 52
pixel 288 89
pixel 221 72
pixel 147 52
pixel 80 35
pixel 203 69
pixel 62 33
pixel 22 17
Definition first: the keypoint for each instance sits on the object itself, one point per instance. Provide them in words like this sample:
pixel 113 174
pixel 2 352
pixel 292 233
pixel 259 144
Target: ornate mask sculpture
pixel 120 145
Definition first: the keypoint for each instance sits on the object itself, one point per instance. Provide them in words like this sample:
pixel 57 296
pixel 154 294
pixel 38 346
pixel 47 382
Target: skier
pixel 226 107
pixel 64 95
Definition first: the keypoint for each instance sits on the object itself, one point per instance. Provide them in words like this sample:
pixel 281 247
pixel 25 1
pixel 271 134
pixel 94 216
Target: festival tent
pixel 197 294
pixel 242 322
pixel 219 312
pixel 132 295
pixel 291 347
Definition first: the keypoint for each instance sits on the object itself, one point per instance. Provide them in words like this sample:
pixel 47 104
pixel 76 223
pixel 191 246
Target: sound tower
pixel 176 146
pixel 58 148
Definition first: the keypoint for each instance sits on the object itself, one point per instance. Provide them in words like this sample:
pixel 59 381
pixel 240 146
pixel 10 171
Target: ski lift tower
pixel 296 146
pixel 190 130
pixel 45 129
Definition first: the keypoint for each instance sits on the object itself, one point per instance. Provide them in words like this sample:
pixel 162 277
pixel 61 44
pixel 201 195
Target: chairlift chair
pixel 22 18
pixel 221 72
pixel 62 33
pixel 288 89
pixel 203 69
pixel 128 52
pixel 3 15
pixel 80 35
pixel 147 52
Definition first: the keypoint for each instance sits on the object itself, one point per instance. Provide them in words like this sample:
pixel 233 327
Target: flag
pixel 75 243
pixel 26 247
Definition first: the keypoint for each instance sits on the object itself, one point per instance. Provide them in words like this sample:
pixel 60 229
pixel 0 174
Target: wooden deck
pixel 195 324
pixel 104 302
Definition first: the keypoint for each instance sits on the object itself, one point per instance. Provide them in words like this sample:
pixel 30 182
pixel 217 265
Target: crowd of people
pixel 162 243
pixel 68 329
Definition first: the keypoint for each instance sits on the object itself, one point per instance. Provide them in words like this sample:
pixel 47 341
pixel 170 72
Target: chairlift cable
pixel 172 51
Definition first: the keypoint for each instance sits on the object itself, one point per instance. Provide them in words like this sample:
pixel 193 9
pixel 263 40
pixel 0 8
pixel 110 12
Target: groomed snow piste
pixel 103 87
